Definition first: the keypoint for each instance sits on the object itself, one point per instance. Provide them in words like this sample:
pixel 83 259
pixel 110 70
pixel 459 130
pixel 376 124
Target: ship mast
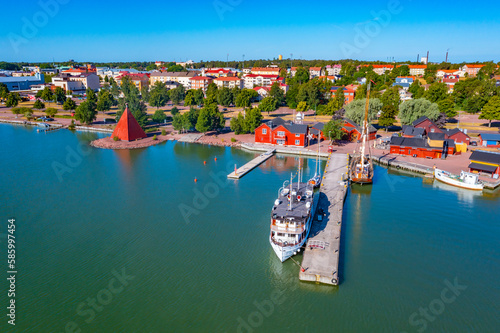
pixel 365 125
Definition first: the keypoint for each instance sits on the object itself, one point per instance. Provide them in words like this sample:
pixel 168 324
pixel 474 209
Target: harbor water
pixel 126 241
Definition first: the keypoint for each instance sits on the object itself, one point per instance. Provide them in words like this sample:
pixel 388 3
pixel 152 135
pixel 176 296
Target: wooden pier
pixel 321 256
pixel 237 174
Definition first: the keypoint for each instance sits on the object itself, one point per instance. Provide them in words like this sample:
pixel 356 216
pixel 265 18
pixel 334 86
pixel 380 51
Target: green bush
pixel 72 125
pixel 151 129
pixel 163 132
pixel 115 138
pixel 154 137
pixel 233 140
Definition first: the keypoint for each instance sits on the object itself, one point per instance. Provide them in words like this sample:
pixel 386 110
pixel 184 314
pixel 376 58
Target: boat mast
pixel 290 194
pixel 365 124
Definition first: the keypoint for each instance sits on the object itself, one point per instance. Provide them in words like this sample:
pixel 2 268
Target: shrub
pixel 233 140
pixel 163 132
pixel 72 125
pixel 154 137
pixel 151 129
pixel 115 138
pixel 51 112
pixel 38 105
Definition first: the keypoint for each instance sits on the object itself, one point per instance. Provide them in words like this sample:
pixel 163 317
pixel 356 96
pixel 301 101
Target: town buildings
pixel 77 83
pixel 22 83
pixel 229 82
pixel 485 162
pixel 349 93
pixel 200 82
pixel 279 132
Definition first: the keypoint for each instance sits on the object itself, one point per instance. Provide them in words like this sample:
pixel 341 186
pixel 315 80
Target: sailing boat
pixel 361 167
pixel 315 181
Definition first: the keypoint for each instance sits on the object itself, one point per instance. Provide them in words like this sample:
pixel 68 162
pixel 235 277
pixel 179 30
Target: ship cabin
pixel 288 225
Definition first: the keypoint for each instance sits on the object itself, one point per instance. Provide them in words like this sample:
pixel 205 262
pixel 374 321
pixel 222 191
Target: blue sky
pixel 208 30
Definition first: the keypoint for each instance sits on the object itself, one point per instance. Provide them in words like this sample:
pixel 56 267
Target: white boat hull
pixel 285 252
pixel 444 177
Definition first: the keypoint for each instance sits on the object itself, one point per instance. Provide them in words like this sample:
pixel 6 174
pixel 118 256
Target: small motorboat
pixel 465 180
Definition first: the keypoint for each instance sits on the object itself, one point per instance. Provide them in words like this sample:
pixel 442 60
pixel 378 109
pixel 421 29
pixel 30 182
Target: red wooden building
pixel 317 130
pixel 349 94
pixel 279 132
pixel 428 125
pixel 457 136
pixel 418 147
pixel 354 131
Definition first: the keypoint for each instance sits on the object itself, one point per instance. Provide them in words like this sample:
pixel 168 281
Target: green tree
pixel 416 89
pixel 13 99
pixel 51 112
pixel 391 97
pixel 177 122
pixel 4 91
pixel 47 95
pixel 356 110
pixel 86 113
pixel 105 101
pixel 491 111
pixel 436 92
pixel 302 106
pixel 132 98
pixel 338 99
pixel 60 95
pixel 189 99
pixel 190 118
pixel 159 95
pixel 145 93
pixel 38 105
pixel 177 94
pixel 474 104
pixel 411 110
pixel 245 97
pixel 199 95
pixel 212 91
pixel 210 119
pixel 224 96
pixel 238 124
pixel 159 116
pixel 69 104
pixel 28 113
pixel 302 75
pixel 291 97
pixel 268 104
pixel 388 116
pixel 277 93
pixel 333 129
pixel 447 106
pixel 253 119
pixel 174 111
pixel 115 90
pixel 20 110
pixel 91 97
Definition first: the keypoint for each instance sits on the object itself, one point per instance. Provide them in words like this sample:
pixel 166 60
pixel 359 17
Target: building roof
pixel 436 136
pixel 201 78
pixel 228 78
pixel 174 74
pixel 265 69
pixel 217 71
pixel 412 131
pixel 271 76
pixel 19 79
pixel 128 129
pixel 314 68
pixel 485 156
pixel 474 66
pixel 319 126
pixel 343 88
pixel 409 142
pixel 453 131
pixel 482 167
pixel 349 123
pixel 296 128
pixel 490 136
pixel 417 66
pixel 421 120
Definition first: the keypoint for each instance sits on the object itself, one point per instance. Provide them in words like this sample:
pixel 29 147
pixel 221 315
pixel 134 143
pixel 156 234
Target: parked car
pixel 473 143
pixel 225 109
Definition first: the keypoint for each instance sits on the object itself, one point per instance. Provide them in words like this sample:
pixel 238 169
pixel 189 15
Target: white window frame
pixel 297 142
pixel 264 131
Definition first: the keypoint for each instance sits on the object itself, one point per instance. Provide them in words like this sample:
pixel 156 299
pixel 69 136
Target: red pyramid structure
pixel 128 129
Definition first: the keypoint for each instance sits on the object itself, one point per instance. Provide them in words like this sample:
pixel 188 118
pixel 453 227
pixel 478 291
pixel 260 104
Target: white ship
pixel 291 218
pixel 465 180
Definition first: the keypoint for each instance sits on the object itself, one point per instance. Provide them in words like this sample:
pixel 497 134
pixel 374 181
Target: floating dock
pixel 321 256
pixel 237 174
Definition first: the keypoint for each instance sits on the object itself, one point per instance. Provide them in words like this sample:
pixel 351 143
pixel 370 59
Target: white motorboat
pixel 465 180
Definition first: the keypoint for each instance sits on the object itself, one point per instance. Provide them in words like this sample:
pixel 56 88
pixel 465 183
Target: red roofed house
pixel 266 70
pixel 417 69
pixel 81 70
pixel 202 82
pixel 379 69
pixel 314 72
pixel 128 129
pixel 450 82
pixel 229 82
pixel 262 91
pixel 472 69
pixel 428 125
pixel 349 93
pixel 218 72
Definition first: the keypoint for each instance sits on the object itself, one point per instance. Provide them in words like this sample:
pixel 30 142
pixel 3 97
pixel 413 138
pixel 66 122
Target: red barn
pixel 418 147
pixel 279 132
pixel 354 131
pixel 317 130
pixel 128 129
pixel 428 125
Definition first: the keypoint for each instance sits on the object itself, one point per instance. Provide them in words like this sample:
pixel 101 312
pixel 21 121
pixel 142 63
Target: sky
pixel 102 31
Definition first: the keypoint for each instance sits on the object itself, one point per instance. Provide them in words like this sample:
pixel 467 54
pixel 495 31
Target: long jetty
pixel 321 256
pixel 237 174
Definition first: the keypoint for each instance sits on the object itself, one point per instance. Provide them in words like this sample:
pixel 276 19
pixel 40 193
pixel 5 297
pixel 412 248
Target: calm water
pixel 201 262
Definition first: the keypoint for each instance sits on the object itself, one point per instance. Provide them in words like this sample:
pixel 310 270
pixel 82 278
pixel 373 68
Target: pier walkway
pixel 237 174
pixel 321 256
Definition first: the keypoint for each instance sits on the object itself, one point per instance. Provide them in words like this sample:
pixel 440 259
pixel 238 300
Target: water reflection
pixel 464 195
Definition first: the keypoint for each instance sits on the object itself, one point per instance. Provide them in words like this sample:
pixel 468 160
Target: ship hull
pixel 445 178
